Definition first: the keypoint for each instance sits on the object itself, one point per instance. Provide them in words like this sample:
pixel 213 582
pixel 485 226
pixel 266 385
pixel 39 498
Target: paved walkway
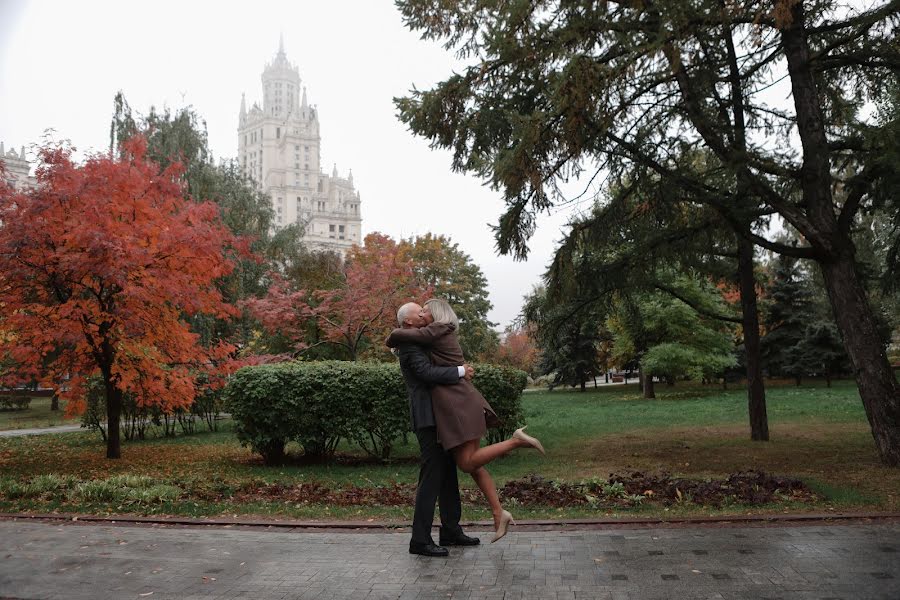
pixel 72 561
pixel 40 430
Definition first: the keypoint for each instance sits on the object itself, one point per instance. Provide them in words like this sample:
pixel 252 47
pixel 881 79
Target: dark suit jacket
pixel 420 375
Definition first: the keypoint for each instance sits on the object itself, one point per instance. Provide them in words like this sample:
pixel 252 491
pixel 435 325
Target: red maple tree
pixel 99 266
pixel 517 350
pixel 360 312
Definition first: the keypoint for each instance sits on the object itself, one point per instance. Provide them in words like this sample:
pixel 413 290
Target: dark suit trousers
pixel 437 482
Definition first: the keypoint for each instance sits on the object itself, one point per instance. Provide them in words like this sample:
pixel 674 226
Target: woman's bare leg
pixel 470 456
pixel 486 485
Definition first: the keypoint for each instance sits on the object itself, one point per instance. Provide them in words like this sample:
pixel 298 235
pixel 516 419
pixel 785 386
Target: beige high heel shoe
pixel 531 441
pixel 506 520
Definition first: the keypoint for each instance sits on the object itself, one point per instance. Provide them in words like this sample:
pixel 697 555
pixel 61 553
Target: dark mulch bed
pixel 619 490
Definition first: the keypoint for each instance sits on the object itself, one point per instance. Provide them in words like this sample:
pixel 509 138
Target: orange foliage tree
pixel 99 266
pixel 358 313
pixel 517 350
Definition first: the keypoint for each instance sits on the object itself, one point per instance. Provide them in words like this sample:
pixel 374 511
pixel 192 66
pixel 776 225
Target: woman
pixel 460 411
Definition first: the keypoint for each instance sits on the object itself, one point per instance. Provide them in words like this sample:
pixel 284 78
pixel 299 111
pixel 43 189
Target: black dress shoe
pixel 460 539
pixel 427 549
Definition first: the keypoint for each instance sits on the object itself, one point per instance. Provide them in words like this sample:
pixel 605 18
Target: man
pixel 437 474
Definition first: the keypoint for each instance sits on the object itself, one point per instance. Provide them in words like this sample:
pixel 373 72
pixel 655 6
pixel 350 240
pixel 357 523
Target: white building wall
pixel 279 148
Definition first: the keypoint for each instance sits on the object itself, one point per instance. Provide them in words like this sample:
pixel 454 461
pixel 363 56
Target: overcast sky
pixel 61 63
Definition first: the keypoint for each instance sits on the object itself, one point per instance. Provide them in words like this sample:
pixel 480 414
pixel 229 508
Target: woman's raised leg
pixel 470 455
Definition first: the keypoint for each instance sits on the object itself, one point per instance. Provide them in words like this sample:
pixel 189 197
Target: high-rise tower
pixel 278 147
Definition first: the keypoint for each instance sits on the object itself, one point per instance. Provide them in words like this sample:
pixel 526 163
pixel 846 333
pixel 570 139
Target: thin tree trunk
pixel 54 401
pixel 648 387
pixel 756 391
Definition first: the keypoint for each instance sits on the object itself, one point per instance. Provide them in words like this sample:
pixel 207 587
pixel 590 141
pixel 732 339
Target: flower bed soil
pixel 619 490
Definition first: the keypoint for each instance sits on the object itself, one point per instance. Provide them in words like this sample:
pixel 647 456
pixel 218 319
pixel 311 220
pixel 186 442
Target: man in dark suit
pixel 437 473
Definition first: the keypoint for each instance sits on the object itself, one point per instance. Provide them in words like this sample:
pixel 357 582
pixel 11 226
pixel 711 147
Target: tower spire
pixel 281 44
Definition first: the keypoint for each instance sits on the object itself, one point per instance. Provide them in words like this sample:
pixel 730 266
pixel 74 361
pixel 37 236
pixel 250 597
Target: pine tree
pixel 788 315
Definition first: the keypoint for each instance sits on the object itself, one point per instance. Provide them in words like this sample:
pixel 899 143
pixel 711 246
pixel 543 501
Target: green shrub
pixel 380 392
pixel 15 402
pixel 260 405
pixel 326 400
pixel 319 403
pixel 502 388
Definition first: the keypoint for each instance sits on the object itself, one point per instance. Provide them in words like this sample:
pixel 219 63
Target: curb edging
pixel 371 525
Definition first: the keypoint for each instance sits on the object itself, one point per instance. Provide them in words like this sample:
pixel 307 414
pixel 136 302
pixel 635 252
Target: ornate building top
pixel 279 148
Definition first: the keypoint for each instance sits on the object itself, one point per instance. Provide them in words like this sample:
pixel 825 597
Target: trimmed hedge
pixel 317 404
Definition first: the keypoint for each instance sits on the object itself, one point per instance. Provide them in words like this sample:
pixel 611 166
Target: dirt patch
pixel 837 455
pixel 750 488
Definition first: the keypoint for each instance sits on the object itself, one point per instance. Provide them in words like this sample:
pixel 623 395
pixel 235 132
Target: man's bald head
pixel 410 315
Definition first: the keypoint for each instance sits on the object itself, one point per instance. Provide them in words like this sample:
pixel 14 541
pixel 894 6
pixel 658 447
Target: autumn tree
pixel 357 314
pixel 181 136
pixel 517 349
pixel 98 266
pixel 553 89
pixel 439 263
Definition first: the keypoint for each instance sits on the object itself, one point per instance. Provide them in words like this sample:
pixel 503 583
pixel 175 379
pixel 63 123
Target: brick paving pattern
pixel 52 560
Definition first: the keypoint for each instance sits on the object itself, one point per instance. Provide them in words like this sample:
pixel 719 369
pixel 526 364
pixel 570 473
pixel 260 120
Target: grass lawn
pixel 818 434
pixel 38 414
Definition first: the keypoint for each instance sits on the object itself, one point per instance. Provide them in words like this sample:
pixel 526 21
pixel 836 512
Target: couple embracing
pixel 449 417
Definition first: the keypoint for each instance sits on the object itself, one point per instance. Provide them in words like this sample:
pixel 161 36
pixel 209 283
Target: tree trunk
pixel 113 414
pixel 648 387
pixel 54 401
pixel 827 379
pixel 756 391
pixel 582 384
pixel 878 387
pixel 797 380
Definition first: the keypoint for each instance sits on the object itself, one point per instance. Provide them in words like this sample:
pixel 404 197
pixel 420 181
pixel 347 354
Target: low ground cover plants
pixel 610 453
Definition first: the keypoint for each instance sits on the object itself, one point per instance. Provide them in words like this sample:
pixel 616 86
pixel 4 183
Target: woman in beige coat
pixel 461 413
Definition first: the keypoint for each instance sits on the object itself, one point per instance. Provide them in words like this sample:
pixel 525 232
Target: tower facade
pixel 18 171
pixel 279 149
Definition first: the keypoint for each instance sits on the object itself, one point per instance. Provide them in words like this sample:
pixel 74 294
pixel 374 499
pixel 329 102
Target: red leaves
pixel 377 279
pixel 100 263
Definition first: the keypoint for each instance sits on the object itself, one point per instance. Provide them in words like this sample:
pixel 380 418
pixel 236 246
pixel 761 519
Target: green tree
pixel 645 233
pixel 789 312
pixel 556 88
pixel 568 338
pixel 821 352
pixel 669 338
pixel 440 263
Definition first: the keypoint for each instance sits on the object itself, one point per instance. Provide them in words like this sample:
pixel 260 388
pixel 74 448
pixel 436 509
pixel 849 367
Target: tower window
pixel 278 133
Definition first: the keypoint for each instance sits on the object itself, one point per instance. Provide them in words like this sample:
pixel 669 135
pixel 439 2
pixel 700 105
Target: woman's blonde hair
pixel 442 312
